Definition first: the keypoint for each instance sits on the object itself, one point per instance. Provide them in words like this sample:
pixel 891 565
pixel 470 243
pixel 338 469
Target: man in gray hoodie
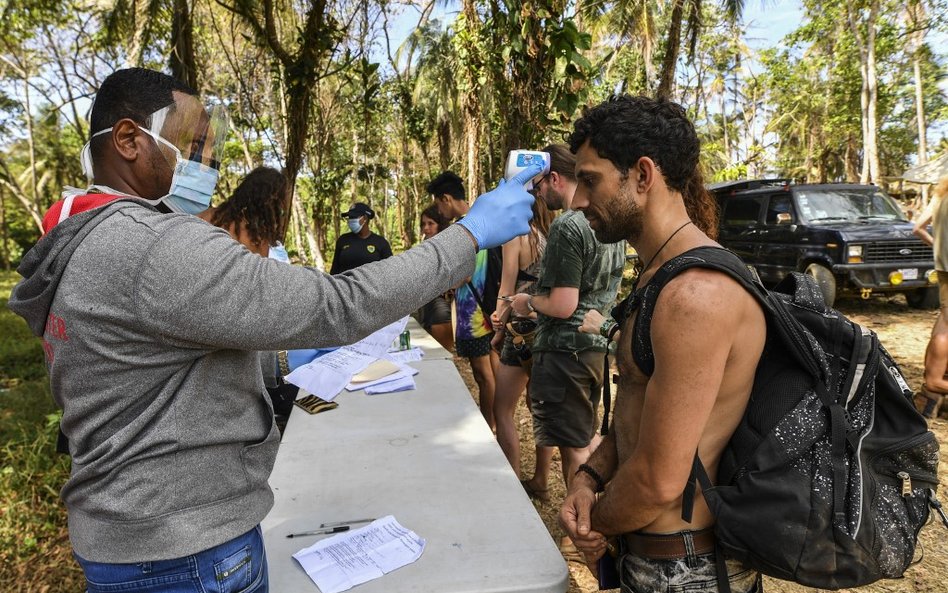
pixel 152 321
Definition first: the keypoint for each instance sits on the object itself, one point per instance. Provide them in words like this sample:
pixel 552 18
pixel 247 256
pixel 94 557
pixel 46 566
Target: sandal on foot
pixel 543 495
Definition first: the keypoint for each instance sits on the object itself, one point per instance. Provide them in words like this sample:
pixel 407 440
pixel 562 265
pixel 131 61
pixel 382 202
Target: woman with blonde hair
pixel 513 337
pixel 935 386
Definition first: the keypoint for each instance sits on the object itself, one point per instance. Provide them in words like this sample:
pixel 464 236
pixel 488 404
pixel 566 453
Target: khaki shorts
pixel 565 389
pixel 942 288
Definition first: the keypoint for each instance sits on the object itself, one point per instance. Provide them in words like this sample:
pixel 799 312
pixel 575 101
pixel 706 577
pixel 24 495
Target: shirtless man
pixel 637 167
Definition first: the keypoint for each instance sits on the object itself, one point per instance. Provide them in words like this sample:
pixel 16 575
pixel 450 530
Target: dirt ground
pixel 904 332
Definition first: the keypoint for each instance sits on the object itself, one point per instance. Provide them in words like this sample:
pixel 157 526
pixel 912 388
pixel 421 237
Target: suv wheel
pixel 923 298
pixel 825 279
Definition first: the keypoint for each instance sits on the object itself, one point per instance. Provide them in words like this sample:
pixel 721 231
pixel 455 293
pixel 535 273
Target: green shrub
pixel 35 554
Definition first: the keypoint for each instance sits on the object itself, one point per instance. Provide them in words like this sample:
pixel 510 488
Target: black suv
pixel 853 239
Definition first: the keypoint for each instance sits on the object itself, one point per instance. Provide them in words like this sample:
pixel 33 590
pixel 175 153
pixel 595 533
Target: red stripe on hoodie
pixel 80 203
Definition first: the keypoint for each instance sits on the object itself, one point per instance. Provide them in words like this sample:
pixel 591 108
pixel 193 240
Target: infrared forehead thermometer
pixel 518 160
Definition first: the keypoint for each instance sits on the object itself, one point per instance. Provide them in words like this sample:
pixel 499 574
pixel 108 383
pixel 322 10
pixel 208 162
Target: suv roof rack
pixel 746 184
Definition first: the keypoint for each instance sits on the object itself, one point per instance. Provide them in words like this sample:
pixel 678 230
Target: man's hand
pixel 592 322
pixel 518 303
pixel 502 213
pixel 575 520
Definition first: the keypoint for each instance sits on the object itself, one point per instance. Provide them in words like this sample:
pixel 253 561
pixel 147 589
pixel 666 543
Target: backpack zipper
pixel 906 484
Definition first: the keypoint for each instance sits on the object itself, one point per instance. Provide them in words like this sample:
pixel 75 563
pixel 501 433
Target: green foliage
pixel 32 518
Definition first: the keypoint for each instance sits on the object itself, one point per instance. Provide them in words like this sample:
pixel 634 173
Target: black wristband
pixel 612 332
pixel 600 483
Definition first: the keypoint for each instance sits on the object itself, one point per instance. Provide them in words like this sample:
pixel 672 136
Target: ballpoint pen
pixel 326 528
pixel 337 529
pixel 338 523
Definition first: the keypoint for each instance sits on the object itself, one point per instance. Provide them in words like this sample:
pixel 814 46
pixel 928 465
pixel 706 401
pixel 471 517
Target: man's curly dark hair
pixel 258 205
pixel 624 129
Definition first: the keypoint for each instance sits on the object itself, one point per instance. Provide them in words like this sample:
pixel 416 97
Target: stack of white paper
pixel 399 376
pixel 326 376
pixel 348 559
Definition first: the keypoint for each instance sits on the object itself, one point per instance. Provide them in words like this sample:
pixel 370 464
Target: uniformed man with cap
pixel 360 246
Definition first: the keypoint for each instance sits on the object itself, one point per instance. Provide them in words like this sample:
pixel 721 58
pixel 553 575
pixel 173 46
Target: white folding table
pixel 428 458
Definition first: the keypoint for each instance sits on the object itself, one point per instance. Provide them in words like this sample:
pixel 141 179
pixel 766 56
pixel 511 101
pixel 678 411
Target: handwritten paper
pixel 328 375
pixel 345 560
pixel 411 355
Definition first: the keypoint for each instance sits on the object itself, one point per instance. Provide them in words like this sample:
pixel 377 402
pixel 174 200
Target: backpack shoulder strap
pixel 644 299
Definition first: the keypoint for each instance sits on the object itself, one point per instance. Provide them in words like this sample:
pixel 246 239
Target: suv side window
pixel 741 211
pixel 779 204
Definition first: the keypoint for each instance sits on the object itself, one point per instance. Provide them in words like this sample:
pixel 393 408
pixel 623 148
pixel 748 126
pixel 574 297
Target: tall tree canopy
pixel 365 100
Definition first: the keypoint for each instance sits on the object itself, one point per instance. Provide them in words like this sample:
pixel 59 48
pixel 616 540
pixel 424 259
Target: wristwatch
pixel 530 304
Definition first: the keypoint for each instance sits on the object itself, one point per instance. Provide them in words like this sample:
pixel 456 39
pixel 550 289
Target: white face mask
pixel 354 225
pixel 192 183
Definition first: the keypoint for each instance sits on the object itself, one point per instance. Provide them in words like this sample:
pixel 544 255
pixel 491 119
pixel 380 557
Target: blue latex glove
pixel 297 358
pixel 502 213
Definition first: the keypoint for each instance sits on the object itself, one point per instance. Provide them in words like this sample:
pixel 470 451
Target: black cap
pixel 359 209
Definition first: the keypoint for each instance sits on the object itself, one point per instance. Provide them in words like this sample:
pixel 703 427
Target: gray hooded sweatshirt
pixel 151 325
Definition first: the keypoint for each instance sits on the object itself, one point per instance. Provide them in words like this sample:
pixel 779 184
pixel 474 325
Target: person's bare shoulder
pixel 708 296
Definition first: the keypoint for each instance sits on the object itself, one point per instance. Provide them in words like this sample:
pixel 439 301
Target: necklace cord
pixel 651 259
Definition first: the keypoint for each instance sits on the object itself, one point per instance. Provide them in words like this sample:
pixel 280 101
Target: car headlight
pixel 854 254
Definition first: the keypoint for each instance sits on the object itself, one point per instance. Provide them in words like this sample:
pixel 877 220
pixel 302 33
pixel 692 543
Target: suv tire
pixel 825 279
pixel 923 298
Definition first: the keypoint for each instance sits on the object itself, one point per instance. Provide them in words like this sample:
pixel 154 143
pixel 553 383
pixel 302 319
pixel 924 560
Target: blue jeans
pixel 236 566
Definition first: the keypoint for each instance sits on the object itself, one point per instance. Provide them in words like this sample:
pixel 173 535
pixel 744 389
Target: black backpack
pixel 830 474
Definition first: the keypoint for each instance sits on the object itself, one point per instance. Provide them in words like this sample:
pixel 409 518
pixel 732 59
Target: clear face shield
pixel 191 138
pixel 192 132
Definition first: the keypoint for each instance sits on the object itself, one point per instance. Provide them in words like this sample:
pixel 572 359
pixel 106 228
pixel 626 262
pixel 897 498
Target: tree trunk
pixel 409 214
pixel 864 104
pixel 869 96
pixel 915 14
pixel 31 143
pixel 144 11
pixel 920 112
pixel 4 252
pixel 726 141
pixel 307 231
pixel 472 147
pixel 672 47
pixel 181 62
pixel 807 135
pixel 299 72
pixel 872 125
pixel 444 143
pixel 471 106
pixel 851 160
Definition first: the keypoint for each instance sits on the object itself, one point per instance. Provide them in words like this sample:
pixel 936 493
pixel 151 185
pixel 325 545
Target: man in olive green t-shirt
pixel 577 273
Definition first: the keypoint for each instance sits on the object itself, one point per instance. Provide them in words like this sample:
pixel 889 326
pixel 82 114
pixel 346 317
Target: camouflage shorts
pixel 697 574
